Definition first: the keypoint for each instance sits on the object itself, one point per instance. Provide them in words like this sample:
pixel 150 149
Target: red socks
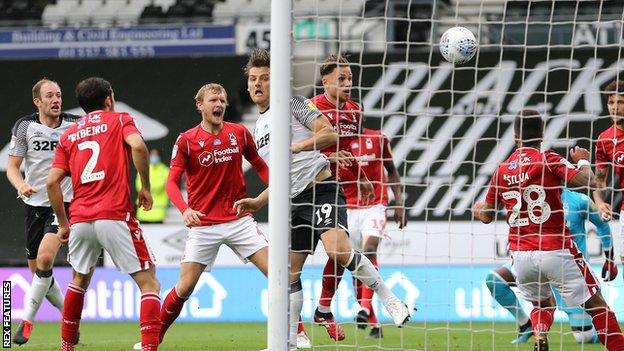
pixel 608 330
pixel 332 275
pixel 72 312
pixel 541 319
pixel 150 321
pixel 300 327
pixel 170 310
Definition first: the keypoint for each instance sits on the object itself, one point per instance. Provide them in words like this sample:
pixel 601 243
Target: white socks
pixel 296 304
pixel 39 286
pixel 362 269
pixel 55 296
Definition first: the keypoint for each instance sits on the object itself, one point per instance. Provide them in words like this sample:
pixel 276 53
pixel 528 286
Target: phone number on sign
pixel 117 51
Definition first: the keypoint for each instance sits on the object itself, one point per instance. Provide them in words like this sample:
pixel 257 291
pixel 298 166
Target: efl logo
pixel 206 158
pixel 6 314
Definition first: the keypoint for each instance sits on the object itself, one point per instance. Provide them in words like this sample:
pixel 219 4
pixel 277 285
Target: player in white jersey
pixel 34 138
pixel 318 208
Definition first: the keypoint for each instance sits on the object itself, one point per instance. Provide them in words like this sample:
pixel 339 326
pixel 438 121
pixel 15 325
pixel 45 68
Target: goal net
pixel 449 127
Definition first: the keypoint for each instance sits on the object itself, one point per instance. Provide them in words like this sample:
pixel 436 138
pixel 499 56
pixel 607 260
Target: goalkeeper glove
pixel 609 269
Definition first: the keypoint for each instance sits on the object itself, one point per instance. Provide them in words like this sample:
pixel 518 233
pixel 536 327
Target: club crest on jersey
pixel 369 143
pixel 206 158
pixel 513 165
pixel 216 142
pixel 355 146
pixel 618 158
pixel 54 136
pixel 201 143
pixel 233 141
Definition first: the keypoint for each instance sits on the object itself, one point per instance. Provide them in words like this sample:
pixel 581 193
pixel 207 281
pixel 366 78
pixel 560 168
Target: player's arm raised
pixel 324 136
pixel 585 177
pixel 140 158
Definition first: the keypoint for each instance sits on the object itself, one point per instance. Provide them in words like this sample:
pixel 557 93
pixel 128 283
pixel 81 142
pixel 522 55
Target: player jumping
pixel 318 209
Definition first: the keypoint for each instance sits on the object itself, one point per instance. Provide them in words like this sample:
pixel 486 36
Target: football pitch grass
pixel 252 336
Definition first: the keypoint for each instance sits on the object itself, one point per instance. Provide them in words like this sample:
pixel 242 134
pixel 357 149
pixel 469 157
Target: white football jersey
pixel 36 143
pixel 305 165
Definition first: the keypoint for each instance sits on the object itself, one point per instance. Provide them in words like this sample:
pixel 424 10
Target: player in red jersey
pixel 211 155
pixel 345 115
pixel 529 185
pixel 95 153
pixel 367 219
pixel 610 151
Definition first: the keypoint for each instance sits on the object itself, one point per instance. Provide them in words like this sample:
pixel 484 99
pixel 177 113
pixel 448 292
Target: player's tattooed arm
pixel 483 212
pixel 585 177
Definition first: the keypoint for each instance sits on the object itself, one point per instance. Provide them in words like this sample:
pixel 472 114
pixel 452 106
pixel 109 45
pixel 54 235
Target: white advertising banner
pixel 433 242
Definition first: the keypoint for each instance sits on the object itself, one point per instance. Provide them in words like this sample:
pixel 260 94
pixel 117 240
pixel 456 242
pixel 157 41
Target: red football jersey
pixel 346 120
pixel 371 149
pixel 213 165
pixel 529 185
pixel 95 155
pixel 610 151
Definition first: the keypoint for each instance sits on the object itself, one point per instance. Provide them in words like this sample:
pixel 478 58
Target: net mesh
pixel 450 127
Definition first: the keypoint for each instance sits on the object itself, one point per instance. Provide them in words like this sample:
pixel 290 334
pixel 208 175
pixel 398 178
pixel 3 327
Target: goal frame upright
pixel 279 180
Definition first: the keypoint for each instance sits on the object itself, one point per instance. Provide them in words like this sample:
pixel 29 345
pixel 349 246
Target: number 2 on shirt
pixel 88 175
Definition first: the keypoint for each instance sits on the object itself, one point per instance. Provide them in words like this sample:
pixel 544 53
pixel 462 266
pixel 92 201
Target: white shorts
pixel 123 240
pixel 241 235
pixel 564 270
pixel 370 221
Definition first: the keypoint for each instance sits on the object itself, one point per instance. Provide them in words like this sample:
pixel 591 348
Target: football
pixel 458 45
